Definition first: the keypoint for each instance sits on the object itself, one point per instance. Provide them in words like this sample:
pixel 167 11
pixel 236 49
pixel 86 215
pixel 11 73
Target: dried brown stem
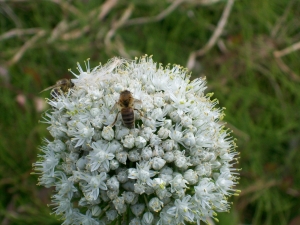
pixel 203 2
pixel 215 36
pixel 117 25
pixel 288 50
pixel 6 8
pixel 25 47
pixel 287 70
pixel 18 32
pixel 258 186
pixel 61 27
pixel 160 16
pixel 68 7
pixel 281 19
pixel 106 8
pixel 238 132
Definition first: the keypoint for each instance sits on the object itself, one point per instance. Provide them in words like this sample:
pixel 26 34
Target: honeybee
pixel 60 87
pixel 126 107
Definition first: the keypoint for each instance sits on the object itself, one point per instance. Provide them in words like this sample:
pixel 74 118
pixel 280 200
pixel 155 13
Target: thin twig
pixel 203 2
pixel 121 47
pixel 288 50
pixel 76 33
pixel 160 16
pixel 106 7
pixel 264 71
pixel 25 47
pixel 10 1
pixel 18 32
pixel 258 186
pixel 214 38
pixel 117 24
pixel 11 14
pixel 60 28
pixel 68 7
pixel 238 132
pixel 287 70
pixel 281 19
pixel 4 75
pixel 222 46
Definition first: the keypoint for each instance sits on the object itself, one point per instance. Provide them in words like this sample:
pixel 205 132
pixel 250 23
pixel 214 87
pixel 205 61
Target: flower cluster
pixel 175 166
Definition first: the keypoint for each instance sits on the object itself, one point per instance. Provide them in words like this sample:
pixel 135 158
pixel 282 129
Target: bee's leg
pixel 114 107
pixel 115 120
pixel 141 113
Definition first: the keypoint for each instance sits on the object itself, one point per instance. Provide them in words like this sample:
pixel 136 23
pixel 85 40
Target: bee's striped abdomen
pixel 128 117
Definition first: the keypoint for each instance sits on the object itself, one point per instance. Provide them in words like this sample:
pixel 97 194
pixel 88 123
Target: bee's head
pixel 126 98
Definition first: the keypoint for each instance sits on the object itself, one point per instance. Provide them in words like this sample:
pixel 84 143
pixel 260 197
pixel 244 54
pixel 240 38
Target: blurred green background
pixel 252 64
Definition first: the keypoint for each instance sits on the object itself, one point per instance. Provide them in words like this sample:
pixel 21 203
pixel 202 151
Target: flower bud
pixel 163 133
pixel 139 188
pixel 129 196
pixel 146 153
pixel 175 116
pixel 115 146
pixel 186 121
pixel 121 132
pixel 155 140
pixel 146 133
pixel 81 163
pixel 180 161
pixel 203 170
pixel 158 163
pixel 137 209
pixel 140 142
pixel 111 214
pixel 96 210
pixel 168 145
pixel 168 123
pixel 113 164
pixel 122 157
pixel 108 133
pixel 191 176
pixel 163 193
pixel 189 139
pixel 147 218
pixel 120 205
pixel 135 221
pixel 155 204
pixel 95 112
pixel 57 145
pixel 134 156
pixel 128 141
pixel 122 176
pixel 169 157
pixel 113 183
pixel 112 194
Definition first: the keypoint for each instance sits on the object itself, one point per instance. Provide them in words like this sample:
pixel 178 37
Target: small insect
pixel 60 87
pixel 126 107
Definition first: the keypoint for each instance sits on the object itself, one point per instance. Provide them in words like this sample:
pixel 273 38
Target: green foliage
pixel 260 92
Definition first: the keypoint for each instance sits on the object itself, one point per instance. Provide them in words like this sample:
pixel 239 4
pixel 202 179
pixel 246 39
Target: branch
pixel 18 32
pixel 287 50
pixel 214 38
pixel 287 70
pixel 106 8
pixel 25 47
pixel 117 25
pixel 160 16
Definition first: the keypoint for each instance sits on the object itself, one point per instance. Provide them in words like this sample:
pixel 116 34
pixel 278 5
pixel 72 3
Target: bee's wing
pixel 48 88
pixel 114 107
pixel 137 102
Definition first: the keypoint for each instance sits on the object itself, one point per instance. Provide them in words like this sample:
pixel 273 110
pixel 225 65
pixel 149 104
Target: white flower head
pixel 172 166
